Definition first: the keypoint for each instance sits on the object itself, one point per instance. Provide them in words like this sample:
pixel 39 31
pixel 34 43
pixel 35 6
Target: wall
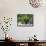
pixel 11 8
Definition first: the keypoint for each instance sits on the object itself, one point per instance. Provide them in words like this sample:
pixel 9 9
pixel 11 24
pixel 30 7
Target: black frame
pixel 25 25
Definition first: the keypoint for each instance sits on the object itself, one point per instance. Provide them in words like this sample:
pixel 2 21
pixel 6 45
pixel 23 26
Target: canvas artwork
pixel 24 19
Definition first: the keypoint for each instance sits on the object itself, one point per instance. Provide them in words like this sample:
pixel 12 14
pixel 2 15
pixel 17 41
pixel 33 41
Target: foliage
pixel 24 18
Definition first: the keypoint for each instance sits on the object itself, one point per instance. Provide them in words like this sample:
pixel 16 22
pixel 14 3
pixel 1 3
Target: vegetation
pixel 25 18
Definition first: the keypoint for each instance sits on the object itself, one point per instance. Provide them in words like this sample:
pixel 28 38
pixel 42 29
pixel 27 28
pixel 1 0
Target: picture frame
pixel 25 20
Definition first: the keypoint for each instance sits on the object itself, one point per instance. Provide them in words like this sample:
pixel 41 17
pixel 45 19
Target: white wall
pixel 11 8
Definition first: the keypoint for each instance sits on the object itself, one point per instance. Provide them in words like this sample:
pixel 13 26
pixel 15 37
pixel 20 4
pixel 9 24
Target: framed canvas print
pixel 24 19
